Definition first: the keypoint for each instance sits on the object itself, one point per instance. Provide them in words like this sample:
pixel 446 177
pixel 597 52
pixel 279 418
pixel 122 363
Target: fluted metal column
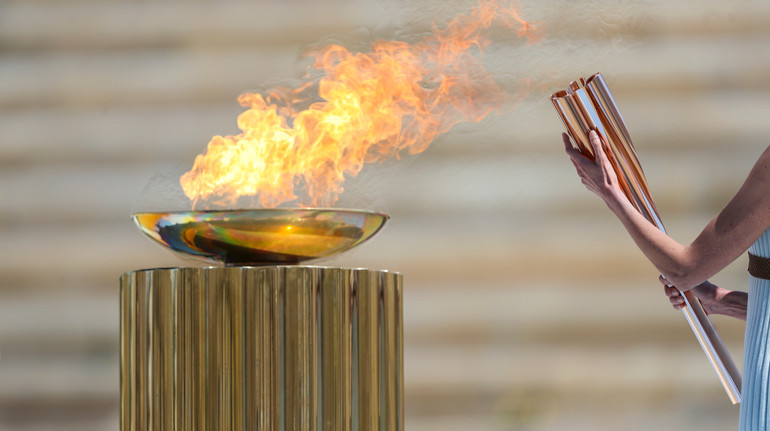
pixel 261 348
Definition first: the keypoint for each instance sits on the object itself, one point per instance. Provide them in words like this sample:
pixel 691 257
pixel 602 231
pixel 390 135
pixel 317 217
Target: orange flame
pixel 369 106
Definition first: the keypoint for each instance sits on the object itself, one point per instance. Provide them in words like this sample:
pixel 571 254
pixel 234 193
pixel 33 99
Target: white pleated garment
pixel 756 356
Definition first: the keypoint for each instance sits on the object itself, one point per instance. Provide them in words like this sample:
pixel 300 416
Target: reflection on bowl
pixel 260 237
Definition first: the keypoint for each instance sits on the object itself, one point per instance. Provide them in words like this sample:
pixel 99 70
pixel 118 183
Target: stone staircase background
pixel 527 307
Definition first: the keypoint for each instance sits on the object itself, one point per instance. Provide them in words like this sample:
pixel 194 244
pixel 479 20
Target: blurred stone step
pixel 152 74
pixel 141 77
pixel 125 25
pixel 120 24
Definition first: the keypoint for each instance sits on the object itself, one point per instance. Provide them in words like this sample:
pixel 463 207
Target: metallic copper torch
pixel 589 105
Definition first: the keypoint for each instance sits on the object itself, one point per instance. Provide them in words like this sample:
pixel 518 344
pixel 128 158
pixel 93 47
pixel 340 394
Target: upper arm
pixel 738 225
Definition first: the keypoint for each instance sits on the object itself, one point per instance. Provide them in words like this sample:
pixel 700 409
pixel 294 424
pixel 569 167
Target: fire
pixel 366 107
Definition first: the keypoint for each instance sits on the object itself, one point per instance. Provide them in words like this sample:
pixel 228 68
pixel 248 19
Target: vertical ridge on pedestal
pixel 230 376
pixel 212 339
pixel 142 355
pixel 161 350
pixel 392 353
pixel 127 348
pixel 368 345
pixel 263 336
pixel 300 356
pixel 336 350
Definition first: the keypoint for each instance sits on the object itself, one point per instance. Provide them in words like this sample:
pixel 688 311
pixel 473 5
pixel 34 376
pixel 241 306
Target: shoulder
pixel 747 214
pixel 758 179
pixel 752 202
pixel 765 156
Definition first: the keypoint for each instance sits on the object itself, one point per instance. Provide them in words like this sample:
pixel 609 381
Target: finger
pixel 677 300
pixel 596 143
pixel 672 292
pixel 571 151
pixel 679 306
pixel 674 296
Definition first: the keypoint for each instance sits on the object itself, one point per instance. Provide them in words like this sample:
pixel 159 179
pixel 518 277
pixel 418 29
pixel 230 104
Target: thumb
pixel 602 157
pixel 596 143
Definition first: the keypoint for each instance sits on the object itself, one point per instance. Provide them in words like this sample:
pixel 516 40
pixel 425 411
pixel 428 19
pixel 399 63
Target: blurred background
pixel 526 305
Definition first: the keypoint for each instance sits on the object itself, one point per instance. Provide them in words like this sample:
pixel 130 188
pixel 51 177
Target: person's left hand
pixel 674 295
pixel 706 292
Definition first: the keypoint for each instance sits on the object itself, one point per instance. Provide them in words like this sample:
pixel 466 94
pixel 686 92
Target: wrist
pixel 729 303
pixel 615 200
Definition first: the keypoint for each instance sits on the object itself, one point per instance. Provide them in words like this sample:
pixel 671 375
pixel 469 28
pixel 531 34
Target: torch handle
pixel 713 346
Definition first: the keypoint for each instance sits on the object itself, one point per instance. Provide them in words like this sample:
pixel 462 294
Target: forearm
pixel 716 300
pixel 728 235
pixel 674 260
pixel 731 303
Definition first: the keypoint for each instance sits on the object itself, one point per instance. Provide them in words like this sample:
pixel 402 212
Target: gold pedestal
pixel 261 348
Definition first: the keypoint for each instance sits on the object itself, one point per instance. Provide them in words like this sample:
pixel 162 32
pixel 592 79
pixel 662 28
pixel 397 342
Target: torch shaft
pixel 713 347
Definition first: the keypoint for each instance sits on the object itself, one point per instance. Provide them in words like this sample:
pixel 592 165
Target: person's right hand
pixel 596 174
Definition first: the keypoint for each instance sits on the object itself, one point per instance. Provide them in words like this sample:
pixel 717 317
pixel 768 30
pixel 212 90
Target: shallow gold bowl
pixel 260 237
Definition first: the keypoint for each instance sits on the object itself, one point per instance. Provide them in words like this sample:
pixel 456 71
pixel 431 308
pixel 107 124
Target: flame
pixel 369 106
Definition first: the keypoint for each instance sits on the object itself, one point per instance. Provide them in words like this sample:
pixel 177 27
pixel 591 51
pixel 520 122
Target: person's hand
pixel 714 299
pixel 597 175
pixel 673 294
pixel 706 292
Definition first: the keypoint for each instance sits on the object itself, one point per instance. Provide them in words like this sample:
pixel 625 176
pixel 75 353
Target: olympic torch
pixel 588 105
